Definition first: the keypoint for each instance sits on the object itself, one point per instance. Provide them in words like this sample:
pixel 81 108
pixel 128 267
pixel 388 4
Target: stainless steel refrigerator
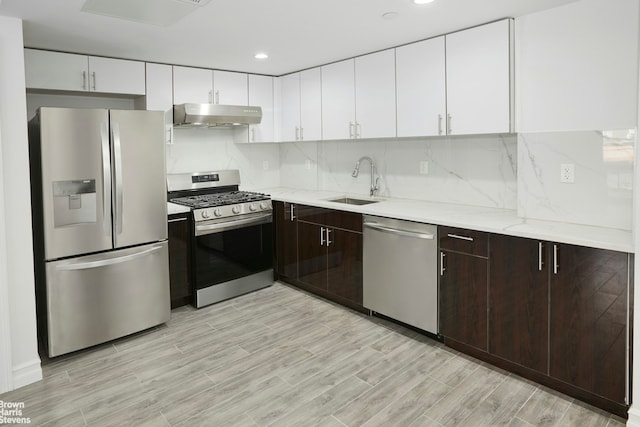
pixel 99 223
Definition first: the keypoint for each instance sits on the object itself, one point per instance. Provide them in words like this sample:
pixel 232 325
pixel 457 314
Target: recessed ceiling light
pixel 422 1
pixel 261 55
pixel 389 15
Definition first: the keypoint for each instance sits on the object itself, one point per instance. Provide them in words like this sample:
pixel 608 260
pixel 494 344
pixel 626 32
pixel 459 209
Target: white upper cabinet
pixel 338 100
pixel 577 67
pixel 230 88
pixel 192 85
pixel 290 107
pixel 159 94
pixel 421 88
pixel 478 64
pixel 301 106
pixel 65 71
pixel 375 92
pixel 261 95
pixel 310 105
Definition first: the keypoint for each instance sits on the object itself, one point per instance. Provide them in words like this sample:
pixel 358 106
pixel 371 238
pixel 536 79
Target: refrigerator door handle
pixel 109 261
pixel 106 178
pixel 117 157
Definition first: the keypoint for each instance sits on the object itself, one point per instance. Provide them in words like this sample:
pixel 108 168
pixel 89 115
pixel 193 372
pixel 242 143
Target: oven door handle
pixel 231 225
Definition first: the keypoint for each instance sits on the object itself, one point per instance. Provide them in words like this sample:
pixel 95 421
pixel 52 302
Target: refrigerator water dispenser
pixel 74 202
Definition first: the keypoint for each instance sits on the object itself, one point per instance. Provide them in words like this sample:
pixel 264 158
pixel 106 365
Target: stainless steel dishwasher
pixel 400 262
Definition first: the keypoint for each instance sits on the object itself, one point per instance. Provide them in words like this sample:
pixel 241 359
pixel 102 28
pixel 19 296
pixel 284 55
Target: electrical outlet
pixel 424 167
pixel 567 173
pixel 265 165
pixel 307 164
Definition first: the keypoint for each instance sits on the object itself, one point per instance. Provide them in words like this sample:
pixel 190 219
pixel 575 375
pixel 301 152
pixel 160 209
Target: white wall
pixel 18 258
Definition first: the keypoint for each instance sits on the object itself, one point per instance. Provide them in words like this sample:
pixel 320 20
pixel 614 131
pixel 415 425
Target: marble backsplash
pixel 602 193
pixel 479 170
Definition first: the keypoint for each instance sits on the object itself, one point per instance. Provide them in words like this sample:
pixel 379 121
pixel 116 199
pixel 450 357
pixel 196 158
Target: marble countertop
pixel 173 208
pixel 502 221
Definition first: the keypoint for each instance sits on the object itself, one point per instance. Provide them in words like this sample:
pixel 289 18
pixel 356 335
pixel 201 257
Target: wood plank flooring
pixel 283 357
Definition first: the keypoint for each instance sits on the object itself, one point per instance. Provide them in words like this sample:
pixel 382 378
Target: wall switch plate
pixel 265 165
pixel 567 173
pixel 424 167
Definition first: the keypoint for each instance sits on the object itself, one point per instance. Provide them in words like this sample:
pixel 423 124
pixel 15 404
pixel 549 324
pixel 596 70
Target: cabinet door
pixel 589 316
pixel 261 94
pixel 179 261
pixel 290 107
pixel 109 75
pixel 230 88
pixel 519 301
pixel 463 299
pixel 159 95
pixel 310 105
pixel 344 264
pixel 286 230
pixel 421 88
pixel 55 71
pixel 338 100
pixel 375 83
pixel 312 255
pixel 478 79
pixel 192 85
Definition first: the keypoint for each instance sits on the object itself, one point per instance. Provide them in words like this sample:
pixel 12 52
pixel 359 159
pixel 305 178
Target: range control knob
pixel 217 212
pixel 253 207
pixel 263 206
pixel 235 209
pixel 205 214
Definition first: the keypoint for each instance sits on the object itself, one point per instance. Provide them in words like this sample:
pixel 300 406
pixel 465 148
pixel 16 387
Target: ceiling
pixel 225 34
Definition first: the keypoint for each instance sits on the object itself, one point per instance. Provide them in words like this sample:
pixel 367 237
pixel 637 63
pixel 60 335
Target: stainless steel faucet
pixel 374 179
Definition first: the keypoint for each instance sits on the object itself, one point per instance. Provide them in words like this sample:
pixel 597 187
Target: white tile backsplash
pixel 202 149
pixel 602 193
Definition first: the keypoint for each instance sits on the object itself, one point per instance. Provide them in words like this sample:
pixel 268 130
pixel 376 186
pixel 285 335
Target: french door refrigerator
pixel 99 223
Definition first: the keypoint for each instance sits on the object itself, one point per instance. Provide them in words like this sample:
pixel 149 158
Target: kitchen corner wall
pixel 202 149
pixel 602 193
pixel 478 170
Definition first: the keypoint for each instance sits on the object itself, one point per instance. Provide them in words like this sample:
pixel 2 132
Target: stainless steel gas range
pixel 232 253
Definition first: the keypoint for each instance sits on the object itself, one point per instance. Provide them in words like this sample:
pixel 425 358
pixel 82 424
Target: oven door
pixel 232 258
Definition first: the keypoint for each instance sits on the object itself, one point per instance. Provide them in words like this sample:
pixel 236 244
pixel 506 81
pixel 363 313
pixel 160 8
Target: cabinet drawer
pixel 466 241
pixel 329 217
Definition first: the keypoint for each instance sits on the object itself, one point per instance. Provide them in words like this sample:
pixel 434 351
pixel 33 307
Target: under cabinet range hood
pixel 211 115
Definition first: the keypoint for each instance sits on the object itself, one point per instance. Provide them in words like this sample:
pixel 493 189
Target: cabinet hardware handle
pixel 449 131
pixel 297 133
pixel 292 215
pixel 358 130
pixel 540 263
pixel 217 97
pixel 351 130
pixel 301 134
pixel 442 269
pixel 555 259
pixel 457 236
pixel 321 236
pixel 94 80
pixel 439 124
pixel 328 241
pixel 170 135
pixel 84 80
pixel 211 97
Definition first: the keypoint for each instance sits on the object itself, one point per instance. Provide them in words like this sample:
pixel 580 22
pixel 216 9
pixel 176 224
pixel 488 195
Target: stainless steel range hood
pixel 211 115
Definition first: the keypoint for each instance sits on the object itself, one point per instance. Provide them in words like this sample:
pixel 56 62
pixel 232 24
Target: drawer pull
pixel 442 255
pixel 456 236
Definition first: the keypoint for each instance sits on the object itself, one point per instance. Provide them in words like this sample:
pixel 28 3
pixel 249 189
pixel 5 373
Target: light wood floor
pixel 282 357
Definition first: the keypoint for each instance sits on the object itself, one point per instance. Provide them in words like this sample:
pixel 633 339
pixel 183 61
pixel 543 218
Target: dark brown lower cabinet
pixel 518 301
pixel 589 314
pixel 344 265
pixel 312 255
pixel 179 233
pixel 286 230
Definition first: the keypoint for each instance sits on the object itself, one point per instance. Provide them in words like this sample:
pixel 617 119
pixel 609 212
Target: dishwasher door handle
pixel 404 233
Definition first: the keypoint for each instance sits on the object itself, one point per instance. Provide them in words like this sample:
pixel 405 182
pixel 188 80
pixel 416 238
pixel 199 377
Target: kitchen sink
pixel 351 201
